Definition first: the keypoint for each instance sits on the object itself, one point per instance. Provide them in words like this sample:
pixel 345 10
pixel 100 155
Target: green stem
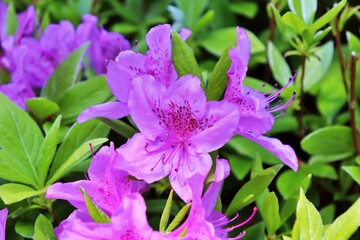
pixel 352 102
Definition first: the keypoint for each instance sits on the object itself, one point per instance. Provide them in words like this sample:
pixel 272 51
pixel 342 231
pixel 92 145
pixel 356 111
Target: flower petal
pixel 284 152
pixel 222 118
pixel 193 164
pixel 239 60
pixel 3 217
pixel 145 93
pixel 110 110
pixel 121 72
pixel 140 162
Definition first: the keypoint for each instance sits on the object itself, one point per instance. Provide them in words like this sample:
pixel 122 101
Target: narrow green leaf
pixel 166 213
pixel 353 171
pixel 294 22
pixel 354 42
pixel 278 65
pixel 183 57
pixel 119 126
pixel 15 192
pixel 43 229
pixel 75 137
pixel 11 20
pixel 219 79
pixel 20 141
pixel 203 22
pixel 255 232
pixel 65 75
pixel 47 150
pixel 270 213
pixel 83 95
pixel 329 140
pixel 75 158
pixel 95 212
pixel 252 189
pixel 308 223
pixel 321 34
pixel 345 225
pixel 245 8
pixel 328 16
pixel 178 218
pixel 315 67
pixel 42 107
pixel 192 10
pixel 304 9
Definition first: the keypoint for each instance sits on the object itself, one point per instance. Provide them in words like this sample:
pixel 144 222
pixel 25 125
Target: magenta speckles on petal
pixel 178 129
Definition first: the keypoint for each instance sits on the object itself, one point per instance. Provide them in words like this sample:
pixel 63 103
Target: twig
pixel 338 48
pixel 352 102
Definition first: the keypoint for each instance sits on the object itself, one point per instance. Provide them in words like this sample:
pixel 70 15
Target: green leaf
pixel 323 170
pixel 65 75
pixel 95 212
pixel 239 166
pixel 354 42
pixel 47 150
pixel 42 107
pixel 203 22
pixel 75 158
pixel 246 9
pixel 329 140
pixel 294 22
pixel 353 171
pixel 192 10
pixel 119 126
pixel 43 229
pixel 217 41
pixel 25 229
pixel 20 141
pixel 252 189
pixel 321 34
pixel 255 232
pixel 270 213
pixel 218 79
pixel 308 223
pixel 345 225
pixel 77 136
pixel 183 57
pixel 328 16
pixel 166 213
pixel 15 192
pixel 11 20
pixel 83 95
pixel 316 68
pixel 328 213
pixel 278 65
pixel 178 218
pixel 289 182
pixel 304 9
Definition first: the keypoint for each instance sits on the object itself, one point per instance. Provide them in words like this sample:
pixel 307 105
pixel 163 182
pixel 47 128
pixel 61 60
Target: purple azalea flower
pixel 3 13
pixel 128 223
pixel 3 216
pixel 106 185
pixel 255 114
pixel 128 65
pixel 17 90
pixel 178 130
pixel 204 222
pixel 104 45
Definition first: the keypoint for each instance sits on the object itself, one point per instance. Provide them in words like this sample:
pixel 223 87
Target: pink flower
pixel 128 223
pixel 204 222
pixel 178 130
pixel 255 114
pixel 106 185
pixel 157 62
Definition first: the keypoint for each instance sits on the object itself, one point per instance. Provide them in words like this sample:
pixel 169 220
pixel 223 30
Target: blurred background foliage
pixel 321 47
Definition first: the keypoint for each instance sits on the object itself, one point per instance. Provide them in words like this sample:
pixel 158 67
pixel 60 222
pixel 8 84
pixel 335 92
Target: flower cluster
pixel 178 129
pixel 30 61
